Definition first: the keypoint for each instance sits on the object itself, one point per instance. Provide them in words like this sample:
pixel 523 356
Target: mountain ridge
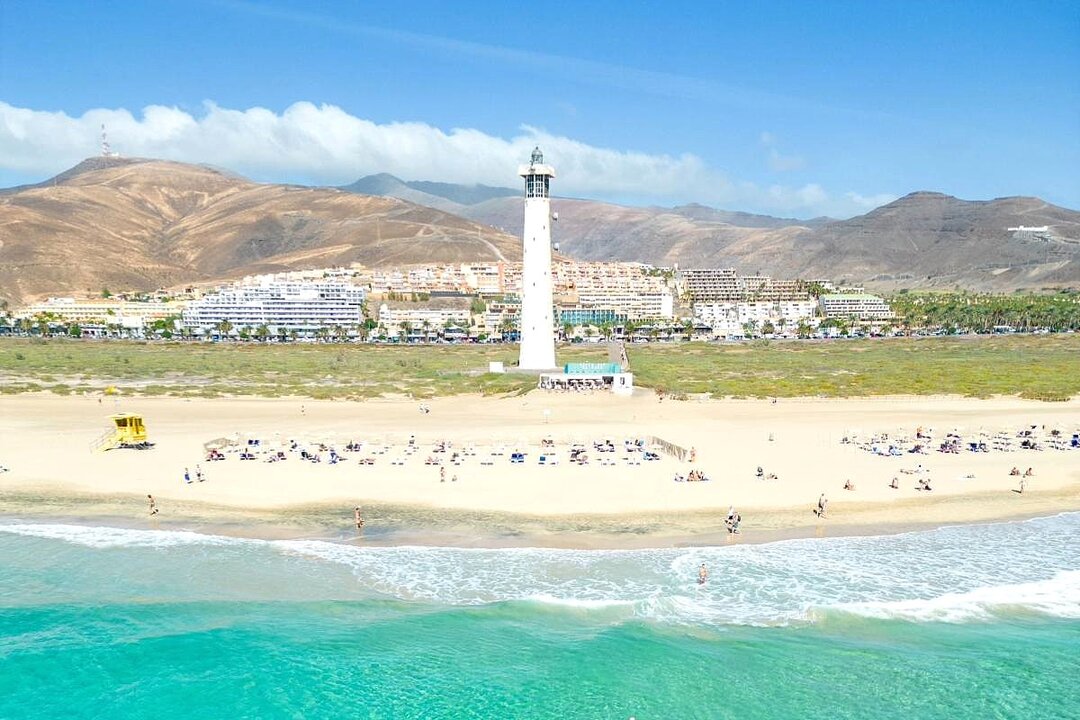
pixel 143 224
pixel 925 239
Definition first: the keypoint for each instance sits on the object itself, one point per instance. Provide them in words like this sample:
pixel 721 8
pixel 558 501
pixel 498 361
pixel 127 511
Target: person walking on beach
pixel 153 505
pixel 198 474
pixel 358 518
pixel 822 505
pixel 442 474
pixel 702 574
pixel 187 476
pixel 1023 484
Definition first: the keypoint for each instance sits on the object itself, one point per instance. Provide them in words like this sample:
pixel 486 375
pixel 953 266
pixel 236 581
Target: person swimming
pixel 702 574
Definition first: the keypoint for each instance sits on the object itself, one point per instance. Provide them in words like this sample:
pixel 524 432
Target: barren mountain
pixel 443 196
pixel 591 230
pixel 925 239
pixel 143 224
pixel 921 240
pixel 929 239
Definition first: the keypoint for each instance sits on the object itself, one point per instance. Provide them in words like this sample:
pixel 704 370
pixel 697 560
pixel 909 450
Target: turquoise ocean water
pixel 966 622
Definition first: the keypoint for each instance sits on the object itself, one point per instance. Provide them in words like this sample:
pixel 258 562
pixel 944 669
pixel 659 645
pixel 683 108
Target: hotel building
pixel 281 305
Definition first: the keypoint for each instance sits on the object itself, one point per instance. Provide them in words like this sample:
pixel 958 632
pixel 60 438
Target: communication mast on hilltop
pixel 106 150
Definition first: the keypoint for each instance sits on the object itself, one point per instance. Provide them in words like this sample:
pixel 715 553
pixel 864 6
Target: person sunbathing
pixel 895 484
pixel 849 485
pixel 1029 473
pixel 1014 471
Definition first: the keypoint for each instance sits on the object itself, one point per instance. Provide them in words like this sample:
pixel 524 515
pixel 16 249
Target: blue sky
pixel 788 108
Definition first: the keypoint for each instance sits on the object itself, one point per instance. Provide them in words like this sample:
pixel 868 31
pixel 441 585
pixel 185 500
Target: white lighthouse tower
pixel 537 324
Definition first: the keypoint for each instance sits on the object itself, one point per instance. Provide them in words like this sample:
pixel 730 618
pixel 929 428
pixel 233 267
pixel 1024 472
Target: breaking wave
pixel 953 574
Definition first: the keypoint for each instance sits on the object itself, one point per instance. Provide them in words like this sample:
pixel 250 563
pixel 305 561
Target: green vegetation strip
pixel 1045 367
pixel 195 369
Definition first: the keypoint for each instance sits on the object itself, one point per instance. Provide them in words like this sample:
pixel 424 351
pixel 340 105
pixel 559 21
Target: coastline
pixel 390 526
pixel 45 441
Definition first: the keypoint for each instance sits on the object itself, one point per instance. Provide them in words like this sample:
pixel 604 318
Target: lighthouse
pixel 537 323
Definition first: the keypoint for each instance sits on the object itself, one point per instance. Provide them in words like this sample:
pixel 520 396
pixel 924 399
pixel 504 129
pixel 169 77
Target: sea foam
pixel 101 537
pixel 952 574
pixel 1058 596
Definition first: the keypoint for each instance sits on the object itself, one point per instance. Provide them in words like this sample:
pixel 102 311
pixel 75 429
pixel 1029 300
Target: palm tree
pixel 224 328
pixel 262 332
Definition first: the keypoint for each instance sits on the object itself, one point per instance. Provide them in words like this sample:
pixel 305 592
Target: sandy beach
pixel 45 443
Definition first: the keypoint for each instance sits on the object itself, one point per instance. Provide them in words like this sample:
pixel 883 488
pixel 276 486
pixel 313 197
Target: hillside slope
pixel 145 224
pixel 925 239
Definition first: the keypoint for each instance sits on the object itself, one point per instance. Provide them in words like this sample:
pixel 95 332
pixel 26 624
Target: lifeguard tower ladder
pixel 129 432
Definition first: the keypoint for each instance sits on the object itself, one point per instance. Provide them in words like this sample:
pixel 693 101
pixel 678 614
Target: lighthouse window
pixel 536 186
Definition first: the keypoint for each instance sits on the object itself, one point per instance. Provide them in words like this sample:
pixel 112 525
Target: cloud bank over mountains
pixel 323 144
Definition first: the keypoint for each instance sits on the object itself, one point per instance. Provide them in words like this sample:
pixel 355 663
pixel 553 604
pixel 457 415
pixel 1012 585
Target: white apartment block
pixel 124 313
pixel 469 278
pixel 400 319
pixel 858 306
pixel 635 305
pixel 708 285
pixel 730 318
pixel 504 278
pixel 303 306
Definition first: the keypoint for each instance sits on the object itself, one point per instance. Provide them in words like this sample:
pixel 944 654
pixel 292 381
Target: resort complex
pixel 474 301
pixel 279 306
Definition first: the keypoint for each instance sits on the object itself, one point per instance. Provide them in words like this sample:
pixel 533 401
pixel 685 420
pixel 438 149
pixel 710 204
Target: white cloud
pixel 326 145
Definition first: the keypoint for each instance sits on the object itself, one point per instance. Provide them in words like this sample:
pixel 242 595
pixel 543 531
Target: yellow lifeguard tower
pixel 129 432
